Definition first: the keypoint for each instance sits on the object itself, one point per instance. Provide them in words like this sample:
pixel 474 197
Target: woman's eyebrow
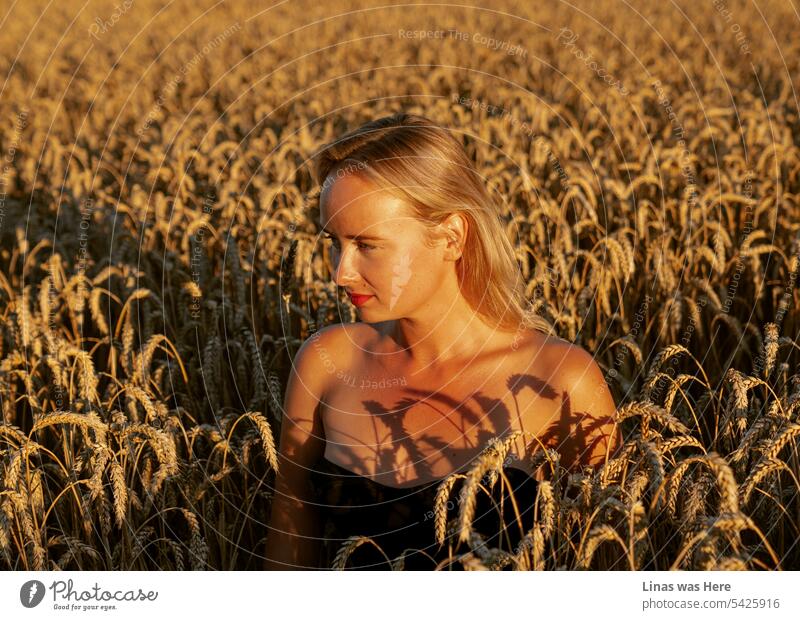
pixel 357 237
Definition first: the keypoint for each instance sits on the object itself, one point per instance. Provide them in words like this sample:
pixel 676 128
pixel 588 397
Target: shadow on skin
pixel 579 427
pixel 573 434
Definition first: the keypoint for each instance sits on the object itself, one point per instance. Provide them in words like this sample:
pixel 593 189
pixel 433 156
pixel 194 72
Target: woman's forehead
pixel 351 199
pixel 339 190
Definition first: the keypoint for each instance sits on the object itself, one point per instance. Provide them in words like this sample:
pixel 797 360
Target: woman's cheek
pixel 377 272
pixel 392 274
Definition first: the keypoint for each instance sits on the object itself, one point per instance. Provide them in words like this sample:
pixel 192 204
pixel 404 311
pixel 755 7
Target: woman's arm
pixel 293 538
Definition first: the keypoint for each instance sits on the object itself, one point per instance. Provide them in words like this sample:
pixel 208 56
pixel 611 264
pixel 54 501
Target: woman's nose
pixel 345 272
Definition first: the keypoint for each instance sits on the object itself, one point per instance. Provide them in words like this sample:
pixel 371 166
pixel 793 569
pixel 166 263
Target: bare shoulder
pixel 315 364
pixel 332 349
pixel 536 349
pixel 589 434
pixel 572 368
pixel 340 339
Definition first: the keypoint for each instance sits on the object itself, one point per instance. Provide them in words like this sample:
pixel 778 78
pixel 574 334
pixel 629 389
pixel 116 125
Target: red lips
pixel 359 300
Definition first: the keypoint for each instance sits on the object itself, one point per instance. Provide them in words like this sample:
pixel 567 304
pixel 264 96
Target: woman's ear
pixel 455 229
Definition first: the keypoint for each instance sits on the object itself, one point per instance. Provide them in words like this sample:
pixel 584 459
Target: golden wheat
pixel 186 269
pixel 595 538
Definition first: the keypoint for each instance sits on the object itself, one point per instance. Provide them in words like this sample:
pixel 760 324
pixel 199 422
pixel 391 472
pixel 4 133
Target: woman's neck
pixel 437 335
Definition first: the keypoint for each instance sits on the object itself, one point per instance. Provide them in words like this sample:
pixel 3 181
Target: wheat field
pixel 160 262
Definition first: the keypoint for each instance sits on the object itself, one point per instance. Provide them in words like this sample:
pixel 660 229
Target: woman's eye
pixel 361 245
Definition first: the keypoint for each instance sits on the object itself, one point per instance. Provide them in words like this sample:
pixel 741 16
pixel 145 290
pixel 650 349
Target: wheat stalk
pixel 594 539
pixel 772 450
pixel 164 449
pixel 198 550
pixel 764 468
pixel 490 459
pixel 177 550
pixel 75 548
pixel 349 546
pixel 120 490
pixel 63 417
pixel 546 507
pixel 97 313
pixel 673 443
pixel 440 505
pixel 770 347
pixel 731 563
pixel 265 433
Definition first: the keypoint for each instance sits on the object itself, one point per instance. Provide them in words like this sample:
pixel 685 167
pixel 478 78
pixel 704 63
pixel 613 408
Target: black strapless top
pixel 403 519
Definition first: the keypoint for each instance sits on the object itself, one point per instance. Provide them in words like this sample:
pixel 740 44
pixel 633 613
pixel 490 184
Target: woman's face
pixel 378 250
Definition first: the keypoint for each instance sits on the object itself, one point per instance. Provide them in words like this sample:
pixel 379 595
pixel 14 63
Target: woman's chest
pixel 401 429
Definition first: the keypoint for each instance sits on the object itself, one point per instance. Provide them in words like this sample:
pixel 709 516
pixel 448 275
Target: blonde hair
pixel 421 163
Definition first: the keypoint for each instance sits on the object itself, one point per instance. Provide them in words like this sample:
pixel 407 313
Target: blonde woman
pixel 446 356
